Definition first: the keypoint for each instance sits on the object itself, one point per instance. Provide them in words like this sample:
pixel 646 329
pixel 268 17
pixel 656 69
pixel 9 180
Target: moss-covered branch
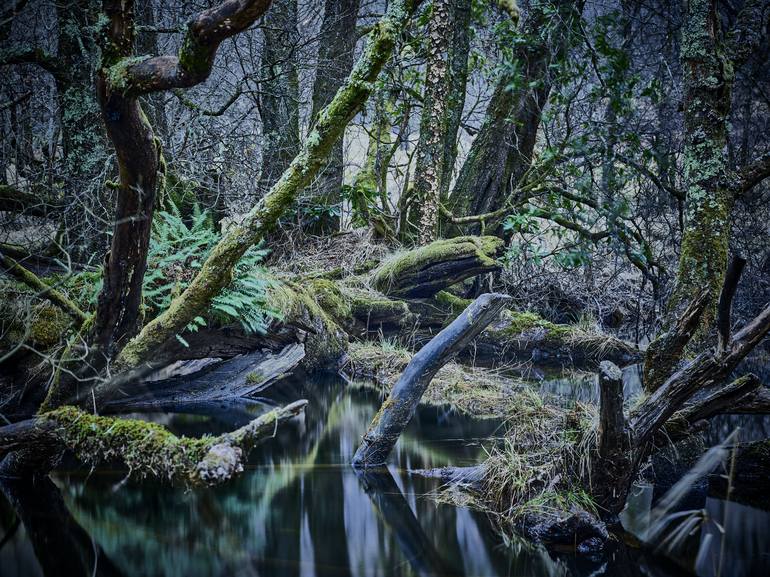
pixel 216 272
pixel 44 290
pixel 529 336
pixel 147 449
pixel 192 65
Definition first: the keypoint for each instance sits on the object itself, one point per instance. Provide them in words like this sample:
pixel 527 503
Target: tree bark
pixel 709 63
pixel 336 51
pixel 502 150
pixel 398 409
pixel 433 125
pixel 459 50
pixel 280 98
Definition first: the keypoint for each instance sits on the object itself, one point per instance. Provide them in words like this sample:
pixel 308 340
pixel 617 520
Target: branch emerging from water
pixel 147 449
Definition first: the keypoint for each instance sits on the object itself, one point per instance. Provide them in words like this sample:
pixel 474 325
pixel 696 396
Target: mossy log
pixel 147 449
pixel 425 271
pixel 527 336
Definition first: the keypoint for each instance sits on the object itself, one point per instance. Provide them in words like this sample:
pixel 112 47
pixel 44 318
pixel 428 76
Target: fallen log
pixel 429 269
pixel 235 378
pixel 398 409
pixel 527 336
pixel 147 449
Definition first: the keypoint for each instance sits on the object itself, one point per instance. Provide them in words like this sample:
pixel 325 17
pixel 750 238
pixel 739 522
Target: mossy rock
pixel 326 342
pixel 40 325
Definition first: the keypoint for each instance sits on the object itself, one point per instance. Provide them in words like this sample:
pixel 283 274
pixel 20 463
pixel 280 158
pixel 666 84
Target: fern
pixel 176 253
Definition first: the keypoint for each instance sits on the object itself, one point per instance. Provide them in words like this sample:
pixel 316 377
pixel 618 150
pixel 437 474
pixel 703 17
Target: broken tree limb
pixel 147 449
pixel 665 352
pixel 397 410
pixel 707 370
pixel 724 307
pixel 43 289
pixel 718 400
pixel 427 270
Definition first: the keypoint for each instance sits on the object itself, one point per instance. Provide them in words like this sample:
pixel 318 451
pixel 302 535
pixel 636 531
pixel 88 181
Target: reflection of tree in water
pixel 299 508
pixel 61 545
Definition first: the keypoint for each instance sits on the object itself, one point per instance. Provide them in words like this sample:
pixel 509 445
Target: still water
pixel 298 509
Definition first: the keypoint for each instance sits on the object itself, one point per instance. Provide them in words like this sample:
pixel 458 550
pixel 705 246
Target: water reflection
pixel 298 509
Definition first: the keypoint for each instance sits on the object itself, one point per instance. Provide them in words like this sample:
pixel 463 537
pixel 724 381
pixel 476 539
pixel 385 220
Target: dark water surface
pixel 298 509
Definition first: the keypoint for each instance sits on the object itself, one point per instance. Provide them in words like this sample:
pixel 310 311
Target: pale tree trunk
pixel 433 125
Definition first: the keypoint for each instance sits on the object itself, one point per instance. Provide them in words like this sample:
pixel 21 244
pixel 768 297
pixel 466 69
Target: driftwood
pixel 426 271
pixel 397 410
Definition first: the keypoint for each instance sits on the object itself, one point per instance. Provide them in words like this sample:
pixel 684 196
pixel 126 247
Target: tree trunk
pixel 433 125
pixel 336 49
pixel 709 62
pixel 280 97
pixel 502 150
pixel 459 50
pixel 426 271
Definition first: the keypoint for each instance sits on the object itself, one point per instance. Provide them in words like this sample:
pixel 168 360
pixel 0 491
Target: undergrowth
pixel 177 252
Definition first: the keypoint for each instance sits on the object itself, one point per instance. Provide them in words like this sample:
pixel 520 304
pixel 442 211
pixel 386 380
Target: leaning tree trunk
pixel 399 407
pixel 502 150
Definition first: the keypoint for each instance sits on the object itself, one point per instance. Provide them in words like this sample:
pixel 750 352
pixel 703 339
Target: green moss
pixel 195 57
pixel 413 263
pixel 326 341
pixel 49 325
pixel 146 448
pixel 117 74
pixel 41 325
pixel 455 304
pixel 469 390
pixel 331 299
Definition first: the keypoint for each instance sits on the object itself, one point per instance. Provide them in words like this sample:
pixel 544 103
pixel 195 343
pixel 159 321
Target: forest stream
pixel 301 509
